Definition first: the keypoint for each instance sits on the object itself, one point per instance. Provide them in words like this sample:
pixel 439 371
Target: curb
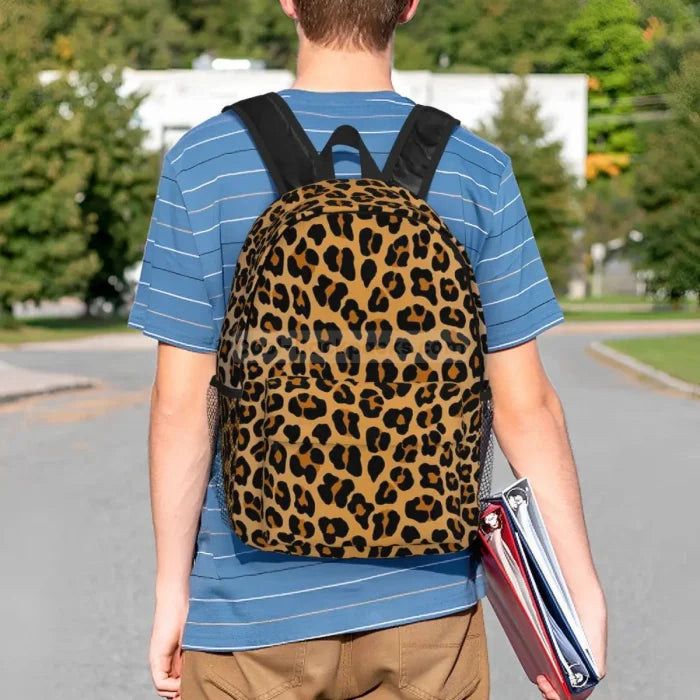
pixel 31 393
pixel 633 327
pixel 625 362
pixel 102 342
pixel 18 383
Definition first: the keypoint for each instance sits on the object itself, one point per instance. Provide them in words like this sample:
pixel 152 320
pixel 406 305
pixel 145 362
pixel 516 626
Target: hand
pixel 546 689
pixel 165 655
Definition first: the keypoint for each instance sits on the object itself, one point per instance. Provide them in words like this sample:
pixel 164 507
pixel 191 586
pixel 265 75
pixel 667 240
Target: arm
pixel 180 457
pixel 531 430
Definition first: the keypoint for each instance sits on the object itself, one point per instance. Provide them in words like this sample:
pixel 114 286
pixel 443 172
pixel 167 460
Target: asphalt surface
pixel 76 549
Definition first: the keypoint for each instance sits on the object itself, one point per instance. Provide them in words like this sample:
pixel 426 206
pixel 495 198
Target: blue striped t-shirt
pixel 213 187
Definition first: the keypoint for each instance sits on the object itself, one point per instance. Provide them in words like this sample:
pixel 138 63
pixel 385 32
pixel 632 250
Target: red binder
pixel 518 607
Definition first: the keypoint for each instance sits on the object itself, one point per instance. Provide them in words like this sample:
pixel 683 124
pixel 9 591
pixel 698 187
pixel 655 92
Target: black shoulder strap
pixel 282 143
pixel 418 149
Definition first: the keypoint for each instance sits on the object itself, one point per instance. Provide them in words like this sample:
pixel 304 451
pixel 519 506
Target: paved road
pixel 77 559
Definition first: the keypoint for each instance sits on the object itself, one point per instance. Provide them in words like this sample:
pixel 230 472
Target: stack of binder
pixel 526 588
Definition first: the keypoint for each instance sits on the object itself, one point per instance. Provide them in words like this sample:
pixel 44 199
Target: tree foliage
pixel 118 196
pixel 246 29
pixel 547 188
pixel 76 187
pixel 606 41
pixel 500 36
pixel 44 250
pixel 132 32
pixel 667 189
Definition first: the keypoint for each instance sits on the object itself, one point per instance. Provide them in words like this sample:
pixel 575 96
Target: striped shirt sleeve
pixel 516 293
pixel 172 303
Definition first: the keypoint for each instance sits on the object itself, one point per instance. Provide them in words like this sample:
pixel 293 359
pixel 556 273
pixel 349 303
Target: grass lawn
pixel 40 329
pixel 631 315
pixel 678 355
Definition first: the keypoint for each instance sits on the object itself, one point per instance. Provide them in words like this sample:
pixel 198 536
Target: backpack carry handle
pixel 347 136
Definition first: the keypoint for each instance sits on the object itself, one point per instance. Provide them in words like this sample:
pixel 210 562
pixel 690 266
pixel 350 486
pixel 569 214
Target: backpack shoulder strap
pixel 282 143
pixel 419 147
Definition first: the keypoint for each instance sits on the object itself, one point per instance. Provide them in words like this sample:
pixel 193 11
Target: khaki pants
pixel 442 659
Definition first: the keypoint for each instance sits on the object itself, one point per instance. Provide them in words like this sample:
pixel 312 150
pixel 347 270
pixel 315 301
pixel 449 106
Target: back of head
pixel 366 25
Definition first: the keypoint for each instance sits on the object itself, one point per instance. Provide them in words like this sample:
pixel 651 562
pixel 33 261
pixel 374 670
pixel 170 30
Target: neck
pixel 321 69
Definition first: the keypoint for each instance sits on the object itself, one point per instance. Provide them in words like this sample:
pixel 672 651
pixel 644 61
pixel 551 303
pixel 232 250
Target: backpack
pixel 354 410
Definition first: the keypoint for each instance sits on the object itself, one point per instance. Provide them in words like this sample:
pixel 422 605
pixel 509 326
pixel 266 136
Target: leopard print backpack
pixel 353 405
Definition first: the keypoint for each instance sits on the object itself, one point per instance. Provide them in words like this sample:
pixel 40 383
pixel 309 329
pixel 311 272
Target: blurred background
pixel 598 104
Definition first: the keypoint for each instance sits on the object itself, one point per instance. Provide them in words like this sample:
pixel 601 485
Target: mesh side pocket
pixel 214 420
pixel 486 448
pixel 213 417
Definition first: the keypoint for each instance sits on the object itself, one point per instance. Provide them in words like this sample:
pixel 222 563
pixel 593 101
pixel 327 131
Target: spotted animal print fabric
pixel 351 378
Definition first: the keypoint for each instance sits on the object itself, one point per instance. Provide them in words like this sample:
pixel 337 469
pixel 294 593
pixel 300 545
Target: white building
pixel 179 99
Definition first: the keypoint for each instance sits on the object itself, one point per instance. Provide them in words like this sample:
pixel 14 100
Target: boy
pixel 256 624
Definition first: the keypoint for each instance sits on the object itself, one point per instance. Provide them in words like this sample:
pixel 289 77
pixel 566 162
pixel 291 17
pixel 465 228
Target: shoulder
pixel 477 151
pixel 223 133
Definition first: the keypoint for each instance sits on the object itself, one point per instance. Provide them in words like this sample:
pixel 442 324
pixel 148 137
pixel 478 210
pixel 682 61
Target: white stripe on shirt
pixel 394 102
pixel 467 177
pixel 362 133
pixel 464 199
pixel 180 320
pixel 481 150
pixel 177 296
pixel 340 584
pixel 466 223
pixel 515 296
pixel 529 336
pixel 171 204
pixel 508 252
pixel 220 177
pixel 345 116
pixel 233 196
pixel 173 250
pixel 326 610
pixel 174 228
pixel 510 274
pixel 165 339
pixel 213 138
pixel 225 221
pixel 512 201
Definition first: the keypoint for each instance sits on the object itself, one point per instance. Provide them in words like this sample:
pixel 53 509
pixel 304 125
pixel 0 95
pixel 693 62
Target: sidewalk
pixel 17 383
pixel 641 327
pixel 104 342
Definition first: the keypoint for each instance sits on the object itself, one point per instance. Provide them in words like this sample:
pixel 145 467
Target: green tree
pixel 246 29
pixel 548 190
pixel 76 187
pixel 667 189
pixel 606 41
pixel 481 35
pixel 674 31
pixel 44 246
pixel 117 199
pixel 132 32
pixel 500 36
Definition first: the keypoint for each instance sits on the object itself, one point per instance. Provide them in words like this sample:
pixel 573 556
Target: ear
pixel 290 9
pixel 409 11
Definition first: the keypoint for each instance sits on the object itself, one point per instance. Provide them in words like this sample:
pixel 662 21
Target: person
pixel 232 621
